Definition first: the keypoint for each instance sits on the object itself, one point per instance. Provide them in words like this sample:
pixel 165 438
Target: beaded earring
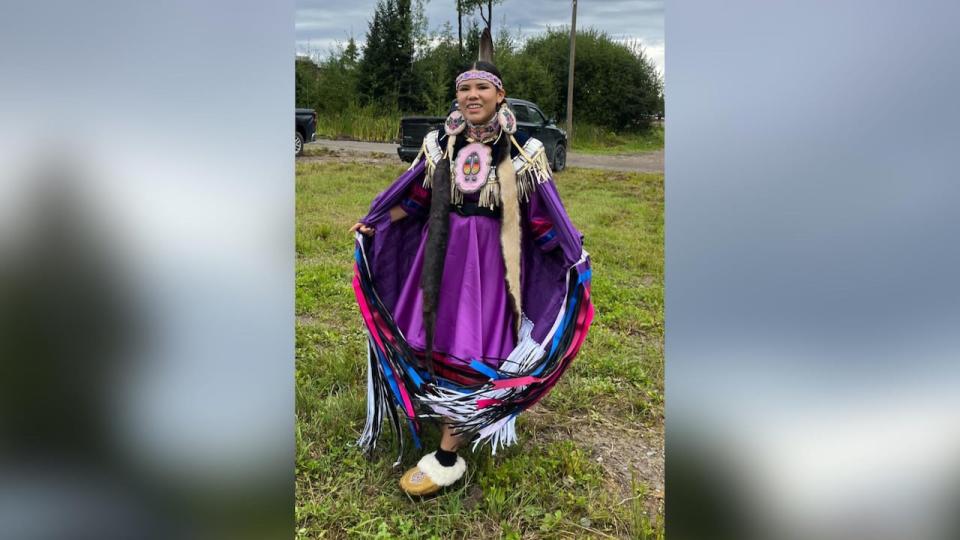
pixel 508 120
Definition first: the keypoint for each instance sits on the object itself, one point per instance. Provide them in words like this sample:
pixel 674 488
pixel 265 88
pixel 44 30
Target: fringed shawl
pixel 557 312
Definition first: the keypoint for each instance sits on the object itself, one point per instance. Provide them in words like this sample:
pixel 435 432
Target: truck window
pixel 523 113
pixel 536 116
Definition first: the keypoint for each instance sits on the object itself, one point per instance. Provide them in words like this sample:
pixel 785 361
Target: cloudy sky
pixel 321 23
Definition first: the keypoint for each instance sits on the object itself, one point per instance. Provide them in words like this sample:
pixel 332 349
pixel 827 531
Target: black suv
pixel 530 120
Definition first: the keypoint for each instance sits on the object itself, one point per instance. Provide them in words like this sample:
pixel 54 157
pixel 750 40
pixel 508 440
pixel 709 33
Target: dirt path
pixel 386 152
pixel 640 162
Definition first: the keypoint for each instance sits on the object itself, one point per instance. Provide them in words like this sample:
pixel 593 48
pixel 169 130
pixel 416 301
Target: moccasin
pixel 429 476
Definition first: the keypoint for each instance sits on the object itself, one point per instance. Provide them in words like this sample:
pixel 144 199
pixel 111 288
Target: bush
pixel 615 85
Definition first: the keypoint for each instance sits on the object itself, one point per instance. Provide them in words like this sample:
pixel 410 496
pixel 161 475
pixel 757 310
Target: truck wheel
pixel 298 143
pixel 559 158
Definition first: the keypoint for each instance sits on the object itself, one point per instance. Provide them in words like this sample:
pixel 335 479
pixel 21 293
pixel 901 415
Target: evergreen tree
pixel 437 69
pixel 351 55
pixel 472 46
pixel 372 79
pixel 408 94
pixel 307 82
pixel 386 73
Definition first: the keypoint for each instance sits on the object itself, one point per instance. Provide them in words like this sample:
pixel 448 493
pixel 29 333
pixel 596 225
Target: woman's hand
pixel 362 228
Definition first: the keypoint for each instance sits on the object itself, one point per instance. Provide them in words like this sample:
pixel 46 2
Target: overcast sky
pixel 321 23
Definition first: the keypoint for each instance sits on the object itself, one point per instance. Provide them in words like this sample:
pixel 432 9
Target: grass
pixel 550 485
pixel 359 124
pixel 591 139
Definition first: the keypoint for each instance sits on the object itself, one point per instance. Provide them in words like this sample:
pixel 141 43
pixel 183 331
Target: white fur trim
pixel 440 475
pixel 510 234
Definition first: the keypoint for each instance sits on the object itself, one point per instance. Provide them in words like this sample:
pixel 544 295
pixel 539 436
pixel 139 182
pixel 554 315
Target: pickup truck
pixel 305 130
pixel 530 120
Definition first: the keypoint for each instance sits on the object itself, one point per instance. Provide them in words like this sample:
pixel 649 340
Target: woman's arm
pixel 415 202
pixel 396 213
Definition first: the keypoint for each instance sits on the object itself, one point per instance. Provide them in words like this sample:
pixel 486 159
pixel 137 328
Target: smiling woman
pixel 479 98
pixel 473 284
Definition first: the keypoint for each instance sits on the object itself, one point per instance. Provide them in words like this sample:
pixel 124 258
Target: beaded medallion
pixel 472 167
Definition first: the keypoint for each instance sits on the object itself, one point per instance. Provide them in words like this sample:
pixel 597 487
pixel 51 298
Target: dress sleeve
pixel 541 226
pixel 416 202
pixel 394 194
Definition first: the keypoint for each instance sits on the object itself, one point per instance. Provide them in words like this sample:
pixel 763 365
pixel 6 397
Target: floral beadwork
pixel 454 123
pixel 484 132
pixel 507 120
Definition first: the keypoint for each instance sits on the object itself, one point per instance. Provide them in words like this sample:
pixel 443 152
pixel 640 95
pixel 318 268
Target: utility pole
pixel 573 44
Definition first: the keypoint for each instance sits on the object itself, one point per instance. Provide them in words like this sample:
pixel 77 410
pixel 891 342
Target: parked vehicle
pixel 306 129
pixel 530 120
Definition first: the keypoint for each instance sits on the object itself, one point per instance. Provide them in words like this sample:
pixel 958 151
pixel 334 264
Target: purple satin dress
pixel 474 318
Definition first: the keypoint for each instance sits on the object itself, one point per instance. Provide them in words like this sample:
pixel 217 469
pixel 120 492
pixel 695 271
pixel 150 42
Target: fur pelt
pixel 437 473
pixel 510 227
pixel 436 249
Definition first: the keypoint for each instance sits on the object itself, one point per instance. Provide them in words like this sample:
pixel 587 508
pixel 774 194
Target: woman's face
pixel 478 100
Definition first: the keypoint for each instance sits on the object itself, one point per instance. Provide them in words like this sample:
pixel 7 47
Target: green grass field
pixel 563 479
pixel 598 140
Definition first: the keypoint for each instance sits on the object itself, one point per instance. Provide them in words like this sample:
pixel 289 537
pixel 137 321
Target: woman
pixel 472 282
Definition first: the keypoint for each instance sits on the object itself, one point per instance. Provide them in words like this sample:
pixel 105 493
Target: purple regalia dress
pixel 490 361
pixel 474 318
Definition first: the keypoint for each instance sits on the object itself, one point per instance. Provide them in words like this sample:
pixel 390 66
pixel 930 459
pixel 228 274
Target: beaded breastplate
pixel 473 170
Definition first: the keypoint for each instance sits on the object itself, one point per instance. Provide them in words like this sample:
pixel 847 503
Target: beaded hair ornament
pixel 478 74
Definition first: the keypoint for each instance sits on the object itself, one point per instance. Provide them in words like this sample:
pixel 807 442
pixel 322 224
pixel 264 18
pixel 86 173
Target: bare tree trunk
pixel 460 24
pixel 482 16
pixel 573 43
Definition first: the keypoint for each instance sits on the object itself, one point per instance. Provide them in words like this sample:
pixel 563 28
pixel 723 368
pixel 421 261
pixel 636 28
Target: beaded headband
pixel 477 74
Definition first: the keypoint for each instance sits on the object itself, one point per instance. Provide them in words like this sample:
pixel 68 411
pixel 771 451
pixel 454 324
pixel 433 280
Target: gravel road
pixel 641 162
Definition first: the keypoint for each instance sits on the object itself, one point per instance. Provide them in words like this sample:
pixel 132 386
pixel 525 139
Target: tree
pixel 386 72
pixel 469 5
pixel 374 65
pixel 460 24
pixel 306 82
pixel 351 55
pixel 436 69
pixel 617 85
pixel 420 26
pixel 328 85
pixel 402 68
pixel 473 42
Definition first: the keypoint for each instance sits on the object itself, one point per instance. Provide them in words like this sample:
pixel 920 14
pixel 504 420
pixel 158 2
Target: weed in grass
pixel 554 488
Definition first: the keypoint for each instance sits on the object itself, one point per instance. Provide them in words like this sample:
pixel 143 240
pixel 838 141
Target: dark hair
pixel 483 65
